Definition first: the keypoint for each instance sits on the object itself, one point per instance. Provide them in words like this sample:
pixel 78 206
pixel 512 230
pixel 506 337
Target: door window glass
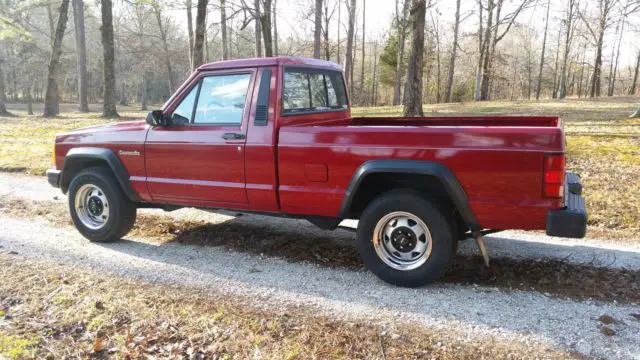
pixel 222 99
pixel 184 111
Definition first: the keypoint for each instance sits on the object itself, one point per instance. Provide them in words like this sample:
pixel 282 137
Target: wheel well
pixel 73 167
pixel 376 184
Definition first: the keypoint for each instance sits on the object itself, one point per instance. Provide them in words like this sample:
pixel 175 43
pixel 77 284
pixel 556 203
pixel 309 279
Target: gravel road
pixel 471 311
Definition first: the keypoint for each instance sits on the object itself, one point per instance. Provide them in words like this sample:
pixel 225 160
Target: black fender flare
pixel 429 168
pixel 76 157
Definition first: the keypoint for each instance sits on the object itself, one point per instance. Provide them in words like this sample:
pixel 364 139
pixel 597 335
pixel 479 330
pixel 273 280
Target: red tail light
pixel 553 183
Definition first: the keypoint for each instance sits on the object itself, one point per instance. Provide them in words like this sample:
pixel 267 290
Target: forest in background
pixel 140 51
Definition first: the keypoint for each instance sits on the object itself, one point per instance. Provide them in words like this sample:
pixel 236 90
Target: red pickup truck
pixel 276 136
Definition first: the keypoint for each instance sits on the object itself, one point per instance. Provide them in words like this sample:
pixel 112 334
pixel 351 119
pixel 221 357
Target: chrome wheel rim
pixel 402 240
pixel 92 206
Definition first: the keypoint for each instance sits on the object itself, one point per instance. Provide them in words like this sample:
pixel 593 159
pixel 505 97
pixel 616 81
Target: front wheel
pixel 99 208
pixel 405 239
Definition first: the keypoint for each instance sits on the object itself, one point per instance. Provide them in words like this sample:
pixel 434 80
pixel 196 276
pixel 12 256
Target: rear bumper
pixel 53 177
pixel 570 222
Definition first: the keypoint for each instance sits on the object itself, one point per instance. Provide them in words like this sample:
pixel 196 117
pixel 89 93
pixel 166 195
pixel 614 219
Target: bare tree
pixel 634 84
pixel 3 99
pixel 109 97
pixel 362 92
pixel 348 67
pixel 223 30
pixel 604 21
pixel 265 21
pixel 257 28
pixel 436 35
pixel 275 28
pixel 492 37
pixel 481 45
pixel 198 40
pixel 544 48
pixel 165 46
pixel 613 71
pixel 401 25
pixel 189 6
pixel 413 86
pixel 81 50
pixel 572 7
pixel 454 53
pixel 317 32
pixel 51 106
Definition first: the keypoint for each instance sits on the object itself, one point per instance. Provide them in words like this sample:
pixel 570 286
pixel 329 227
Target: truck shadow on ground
pixel 554 277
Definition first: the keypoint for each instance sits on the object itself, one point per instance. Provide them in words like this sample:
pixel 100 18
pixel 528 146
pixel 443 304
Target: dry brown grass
pixel 55 311
pixel 603 146
pixel 557 278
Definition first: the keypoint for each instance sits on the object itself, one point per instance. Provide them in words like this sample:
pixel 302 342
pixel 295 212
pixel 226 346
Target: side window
pixel 182 114
pixel 307 90
pixel 222 99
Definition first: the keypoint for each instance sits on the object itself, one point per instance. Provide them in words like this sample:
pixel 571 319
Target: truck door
pixel 200 155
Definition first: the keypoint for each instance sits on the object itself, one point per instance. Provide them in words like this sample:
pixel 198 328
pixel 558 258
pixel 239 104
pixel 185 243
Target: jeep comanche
pixel 275 136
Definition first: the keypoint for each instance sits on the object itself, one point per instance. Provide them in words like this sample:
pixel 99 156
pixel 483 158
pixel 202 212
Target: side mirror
pixel 156 118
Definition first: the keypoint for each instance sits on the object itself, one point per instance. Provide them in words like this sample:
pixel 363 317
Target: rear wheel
pixel 405 239
pixel 99 208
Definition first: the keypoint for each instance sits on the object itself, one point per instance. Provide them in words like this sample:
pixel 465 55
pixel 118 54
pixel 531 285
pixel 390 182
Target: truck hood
pixel 119 132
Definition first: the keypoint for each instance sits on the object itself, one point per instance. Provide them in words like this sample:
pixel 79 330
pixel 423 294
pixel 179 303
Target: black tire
pixel 122 211
pixel 443 243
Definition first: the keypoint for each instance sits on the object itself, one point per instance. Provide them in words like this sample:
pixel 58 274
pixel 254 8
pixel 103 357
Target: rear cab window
pixel 308 90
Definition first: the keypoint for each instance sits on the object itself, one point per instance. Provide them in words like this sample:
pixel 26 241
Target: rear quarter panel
pixel 500 168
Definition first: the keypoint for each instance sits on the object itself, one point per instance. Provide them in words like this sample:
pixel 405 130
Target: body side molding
pixel 428 168
pixel 77 156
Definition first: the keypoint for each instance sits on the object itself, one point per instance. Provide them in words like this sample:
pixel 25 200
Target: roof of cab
pixel 271 61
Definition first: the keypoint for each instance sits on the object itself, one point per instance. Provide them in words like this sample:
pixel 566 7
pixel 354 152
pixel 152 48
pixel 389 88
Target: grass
pixel 112 317
pixel 555 277
pixel 602 145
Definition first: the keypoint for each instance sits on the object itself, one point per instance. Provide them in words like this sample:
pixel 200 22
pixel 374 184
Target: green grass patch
pixel 16 347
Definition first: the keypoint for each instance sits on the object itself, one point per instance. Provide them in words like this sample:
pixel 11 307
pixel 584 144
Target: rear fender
pixel 428 168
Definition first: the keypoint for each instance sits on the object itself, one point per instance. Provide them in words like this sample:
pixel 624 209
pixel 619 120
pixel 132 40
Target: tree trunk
pixel 81 49
pixel 109 106
pixel 490 46
pixel 189 6
pixel 143 91
pixel 348 67
pixel 544 48
pixel 198 40
pixel 338 32
pixel 402 38
pixel 486 49
pixel 3 99
pixel 51 106
pixel 612 77
pixel 562 89
pixel 476 93
pixel 413 86
pixel 374 82
pixel 634 84
pixel 597 68
pixel 165 46
pixel 325 32
pixel 29 100
pixel 223 30
pixel 454 53
pixel 557 64
pixel 275 28
pixel 436 28
pixel 582 63
pixel 257 28
pixel 265 20
pixel 362 91
pixel 317 33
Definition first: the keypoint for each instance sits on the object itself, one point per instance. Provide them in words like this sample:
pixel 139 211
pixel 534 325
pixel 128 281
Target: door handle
pixel 233 136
